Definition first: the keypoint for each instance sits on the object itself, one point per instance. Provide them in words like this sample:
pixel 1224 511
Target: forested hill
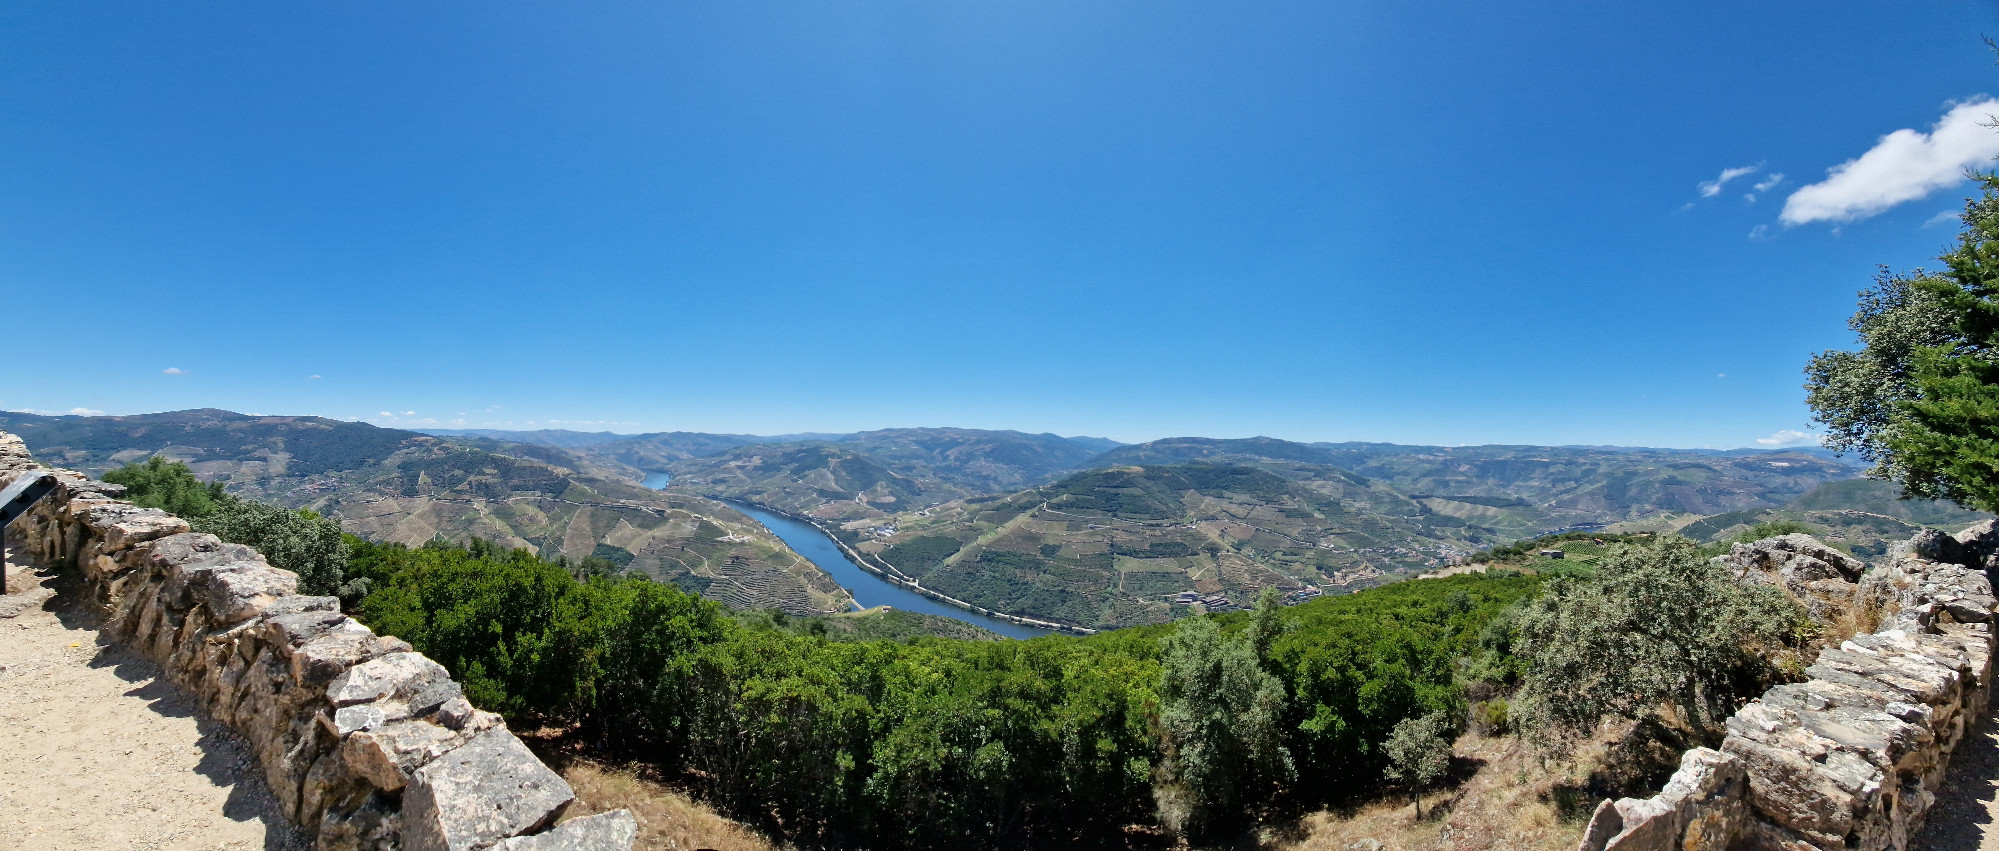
pixel 1229 517
pixel 403 487
pixel 1525 490
pixel 213 441
pixel 1116 547
pixel 872 474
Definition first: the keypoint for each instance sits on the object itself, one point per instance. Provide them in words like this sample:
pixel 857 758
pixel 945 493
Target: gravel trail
pixel 98 752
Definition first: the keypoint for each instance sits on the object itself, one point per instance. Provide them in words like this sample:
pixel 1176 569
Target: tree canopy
pixel 1920 398
pixel 1658 625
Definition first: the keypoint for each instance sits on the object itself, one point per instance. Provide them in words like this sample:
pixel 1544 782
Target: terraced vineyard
pixel 1140 545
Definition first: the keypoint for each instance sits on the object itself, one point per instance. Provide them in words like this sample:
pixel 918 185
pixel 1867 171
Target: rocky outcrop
pixel 1826 580
pixel 366 743
pixel 1852 757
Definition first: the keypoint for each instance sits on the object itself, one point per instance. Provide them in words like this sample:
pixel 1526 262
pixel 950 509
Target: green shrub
pixel 169 485
pixel 1658 625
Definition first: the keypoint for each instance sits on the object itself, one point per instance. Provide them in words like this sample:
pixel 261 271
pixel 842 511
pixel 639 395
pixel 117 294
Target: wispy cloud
pixel 1789 437
pixel 1902 166
pixel 1762 186
pixel 1711 188
pixel 73 412
pixel 173 370
pixel 312 378
pixel 1943 218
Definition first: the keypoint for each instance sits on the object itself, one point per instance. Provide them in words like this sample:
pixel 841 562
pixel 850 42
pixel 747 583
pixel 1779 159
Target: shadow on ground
pixel 1962 818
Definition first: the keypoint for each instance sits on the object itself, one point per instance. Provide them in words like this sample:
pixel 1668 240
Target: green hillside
pixel 874 474
pixel 402 487
pixel 1884 498
pixel 823 480
pixel 976 460
pixel 210 440
pixel 1117 547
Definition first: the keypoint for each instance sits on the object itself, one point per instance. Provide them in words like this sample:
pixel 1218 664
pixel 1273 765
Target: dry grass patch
pixel 667 818
pixel 1508 803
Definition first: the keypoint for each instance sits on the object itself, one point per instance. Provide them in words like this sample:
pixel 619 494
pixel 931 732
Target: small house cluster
pixel 1216 602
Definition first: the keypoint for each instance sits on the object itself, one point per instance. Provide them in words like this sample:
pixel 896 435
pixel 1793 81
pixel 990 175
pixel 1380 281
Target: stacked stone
pixel 1851 758
pixel 364 742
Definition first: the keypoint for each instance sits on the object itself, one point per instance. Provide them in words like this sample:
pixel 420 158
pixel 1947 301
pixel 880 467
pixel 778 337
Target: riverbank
pixel 888 574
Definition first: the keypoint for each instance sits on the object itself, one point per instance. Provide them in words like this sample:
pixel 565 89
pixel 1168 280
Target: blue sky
pixel 1412 222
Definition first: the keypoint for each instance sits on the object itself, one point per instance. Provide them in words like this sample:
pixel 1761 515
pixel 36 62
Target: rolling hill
pixel 874 474
pixel 1522 491
pixel 405 487
pixel 1230 517
pixel 1116 547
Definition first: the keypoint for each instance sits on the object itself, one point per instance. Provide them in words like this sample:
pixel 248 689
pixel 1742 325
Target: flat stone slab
pixel 489 789
pixel 612 831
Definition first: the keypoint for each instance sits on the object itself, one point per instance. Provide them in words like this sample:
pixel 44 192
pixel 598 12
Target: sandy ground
pixel 97 753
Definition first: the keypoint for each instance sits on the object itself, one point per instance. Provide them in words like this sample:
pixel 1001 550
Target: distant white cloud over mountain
pixel 1902 166
pixel 1789 437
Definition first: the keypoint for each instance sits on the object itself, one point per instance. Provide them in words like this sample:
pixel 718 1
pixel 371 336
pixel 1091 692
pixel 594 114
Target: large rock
pixel 612 831
pixel 487 790
pixel 237 592
pixel 386 757
pixel 1708 796
pixel 345 644
pixel 400 685
pixel 1931 545
pixel 1979 543
pixel 1821 577
pixel 121 525
pixel 1650 824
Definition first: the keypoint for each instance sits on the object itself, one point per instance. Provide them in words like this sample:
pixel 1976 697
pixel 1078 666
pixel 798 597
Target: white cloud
pixel 312 378
pixel 173 370
pixel 1902 166
pixel 1943 218
pixel 83 412
pixel 1769 183
pixel 1759 232
pixel 1711 188
pixel 389 415
pixel 1789 437
pixel 409 413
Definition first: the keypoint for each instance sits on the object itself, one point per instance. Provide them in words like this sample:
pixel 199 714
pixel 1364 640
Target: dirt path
pixel 97 753
pixel 1967 807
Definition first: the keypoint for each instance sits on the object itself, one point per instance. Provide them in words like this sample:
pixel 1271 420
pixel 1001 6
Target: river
pixel 868 589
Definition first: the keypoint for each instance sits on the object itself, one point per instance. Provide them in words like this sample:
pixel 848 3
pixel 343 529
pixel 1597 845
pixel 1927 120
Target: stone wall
pixel 1852 757
pixel 366 743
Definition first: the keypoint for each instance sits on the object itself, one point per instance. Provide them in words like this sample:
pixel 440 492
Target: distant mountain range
pixel 1156 523
pixel 392 485
pixel 1078 529
pixel 969 512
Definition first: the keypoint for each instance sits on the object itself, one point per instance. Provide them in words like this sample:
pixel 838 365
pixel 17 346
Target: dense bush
pixel 170 485
pixel 299 541
pixel 1659 626
pixel 925 742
